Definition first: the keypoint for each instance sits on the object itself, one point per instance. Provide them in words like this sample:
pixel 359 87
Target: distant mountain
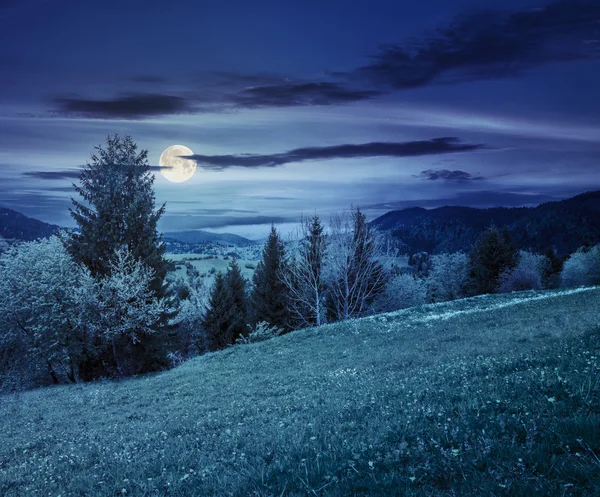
pixel 564 225
pixel 17 226
pixel 199 236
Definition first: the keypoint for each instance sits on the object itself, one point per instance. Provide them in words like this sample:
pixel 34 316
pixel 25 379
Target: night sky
pixel 302 105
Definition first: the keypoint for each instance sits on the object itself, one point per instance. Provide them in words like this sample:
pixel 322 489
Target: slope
pixel 496 394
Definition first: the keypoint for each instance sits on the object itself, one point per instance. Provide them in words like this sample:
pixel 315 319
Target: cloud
pixel 347 151
pixel 63 174
pixel 488 45
pixel 185 222
pixel 447 175
pixel 131 106
pixel 294 94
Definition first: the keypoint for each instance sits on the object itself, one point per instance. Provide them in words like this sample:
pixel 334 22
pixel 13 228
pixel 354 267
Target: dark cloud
pixel 447 175
pixel 487 45
pixel 63 174
pixel 133 106
pixel 186 222
pixel 347 151
pixel 295 94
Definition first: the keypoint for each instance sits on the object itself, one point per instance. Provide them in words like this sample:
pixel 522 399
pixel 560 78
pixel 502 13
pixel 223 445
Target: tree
pixel 402 291
pixel 235 285
pixel 582 268
pixel 526 275
pixel 356 275
pixel 492 254
pixel 304 276
pixel 447 277
pixel 41 325
pixel 118 211
pixel 269 292
pixel 125 310
pixel 225 318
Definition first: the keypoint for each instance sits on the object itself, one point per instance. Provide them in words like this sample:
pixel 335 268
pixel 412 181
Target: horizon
pixel 384 106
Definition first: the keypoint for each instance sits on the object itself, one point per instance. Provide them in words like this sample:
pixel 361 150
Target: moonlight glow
pixel 174 167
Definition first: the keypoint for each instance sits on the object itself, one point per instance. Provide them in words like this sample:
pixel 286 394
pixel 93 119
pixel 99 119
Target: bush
pixel 582 268
pixel 447 277
pixel 262 332
pixel 527 275
pixel 402 291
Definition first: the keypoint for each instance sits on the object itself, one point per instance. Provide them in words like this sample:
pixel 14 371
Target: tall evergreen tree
pixel 269 292
pixel 118 210
pixel 493 254
pixel 226 317
pixel 215 322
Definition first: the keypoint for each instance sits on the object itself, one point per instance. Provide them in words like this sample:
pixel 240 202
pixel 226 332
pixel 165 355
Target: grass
pixel 495 395
pixel 205 266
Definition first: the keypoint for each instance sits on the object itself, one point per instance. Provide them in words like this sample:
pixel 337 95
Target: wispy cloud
pixel 488 45
pixel 443 145
pixel 447 175
pixel 53 175
pixel 131 106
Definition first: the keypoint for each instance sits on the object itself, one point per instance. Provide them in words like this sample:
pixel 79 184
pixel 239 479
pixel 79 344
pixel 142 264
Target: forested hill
pixel 565 225
pixel 17 226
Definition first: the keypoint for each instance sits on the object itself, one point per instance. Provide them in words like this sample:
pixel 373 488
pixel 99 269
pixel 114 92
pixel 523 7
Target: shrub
pixel 447 277
pixel 527 275
pixel 582 268
pixel 402 291
pixel 262 332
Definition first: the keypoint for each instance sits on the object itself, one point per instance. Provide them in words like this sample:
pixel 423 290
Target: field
pixel 208 267
pixel 494 395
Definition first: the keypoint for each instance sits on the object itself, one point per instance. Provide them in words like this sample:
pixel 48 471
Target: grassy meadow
pixel 494 395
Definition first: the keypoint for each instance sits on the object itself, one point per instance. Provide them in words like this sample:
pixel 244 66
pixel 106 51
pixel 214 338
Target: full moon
pixel 175 168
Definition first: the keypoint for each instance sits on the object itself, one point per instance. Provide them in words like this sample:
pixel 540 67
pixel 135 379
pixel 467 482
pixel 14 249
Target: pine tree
pixel 118 211
pixel 269 292
pixel 493 254
pixel 215 322
pixel 237 300
pixel 225 319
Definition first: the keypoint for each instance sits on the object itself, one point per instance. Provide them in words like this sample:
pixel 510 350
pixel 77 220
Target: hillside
pixel 17 226
pixel 497 395
pixel 565 225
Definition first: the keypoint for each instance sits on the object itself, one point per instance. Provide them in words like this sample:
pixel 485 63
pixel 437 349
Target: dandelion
pixel 551 399
pixel 412 479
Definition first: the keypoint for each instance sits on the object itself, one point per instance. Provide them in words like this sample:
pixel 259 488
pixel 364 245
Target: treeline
pixel 453 229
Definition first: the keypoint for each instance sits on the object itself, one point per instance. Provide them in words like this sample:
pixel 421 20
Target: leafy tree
pixel 492 254
pixel 43 334
pixel 401 292
pixel 304 276
pixel 526 275
pixel 269 292
pixel 125 310
pixel 447 277
pixel 118 211
pixel 582 268
pixel 225 318
pixel 551 275
pixel 356 275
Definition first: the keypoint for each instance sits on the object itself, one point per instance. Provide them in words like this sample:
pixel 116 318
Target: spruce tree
pixel 118 213
pixel 215 322
pixel 269 292
pixel 118 210
pixel 226 317
pixel 237 301
pixel 493 254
